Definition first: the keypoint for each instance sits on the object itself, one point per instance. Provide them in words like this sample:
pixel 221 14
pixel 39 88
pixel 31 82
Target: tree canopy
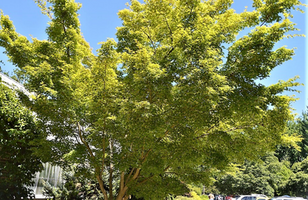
pixel 176 97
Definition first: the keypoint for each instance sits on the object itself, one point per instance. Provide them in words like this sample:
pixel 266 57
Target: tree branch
pixel 123 189
pixel 111 170
pixel 149 37
pixel 84 142
pixel 145 156
pixel 44 9
pixel 129 175
pixel 148 178
pixel 171 38
pixel 103 161
pixel 101 185
pixel 166 133
pixel 98 176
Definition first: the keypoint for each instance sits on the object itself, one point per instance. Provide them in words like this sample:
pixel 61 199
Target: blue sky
pixel 99 21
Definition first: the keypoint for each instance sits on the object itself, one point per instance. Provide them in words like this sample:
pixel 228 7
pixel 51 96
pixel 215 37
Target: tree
pixel 297 184
pixel 173 100
pixel 286 152
pixel 19 137
pixel 279 172
pixel 291 153
pixel 303 121
pixel 268 177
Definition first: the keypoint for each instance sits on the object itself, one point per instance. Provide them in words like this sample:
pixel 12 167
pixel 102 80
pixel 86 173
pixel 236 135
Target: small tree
pixel 176 98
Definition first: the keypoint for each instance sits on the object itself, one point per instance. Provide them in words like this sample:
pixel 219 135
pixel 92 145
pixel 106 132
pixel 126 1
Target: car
pixel 230 198
pixel 286 197
pixel 253 197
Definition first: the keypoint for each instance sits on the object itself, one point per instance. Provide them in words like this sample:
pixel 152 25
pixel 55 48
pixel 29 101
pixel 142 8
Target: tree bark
pixel 123 189
pixel 101 186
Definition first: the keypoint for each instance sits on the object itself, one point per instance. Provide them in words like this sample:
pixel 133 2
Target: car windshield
pixel 249 198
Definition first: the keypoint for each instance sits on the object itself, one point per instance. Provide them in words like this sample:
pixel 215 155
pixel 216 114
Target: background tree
pixel 291 153
pixel 283 170
pixel 251 178
pixel 279 172
pixel 268 177
pixel 297 184
pixel 286 152
pixel 173 101
pixel 303 121
pixel 297 157
pixel 19 137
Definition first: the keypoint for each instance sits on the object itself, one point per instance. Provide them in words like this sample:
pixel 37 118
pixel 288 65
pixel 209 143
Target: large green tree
pixel 19 139
pixel 177 97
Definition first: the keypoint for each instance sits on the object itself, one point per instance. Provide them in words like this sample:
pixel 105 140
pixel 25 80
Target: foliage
pixel 252 179
pixel 268 177
pixel 280 174
pixel 291 153
pixel 304 134
pixel 19 137
pixel 297 184
pixel 174 100
pixel 195 196
pixel 283 172
pixel 74 188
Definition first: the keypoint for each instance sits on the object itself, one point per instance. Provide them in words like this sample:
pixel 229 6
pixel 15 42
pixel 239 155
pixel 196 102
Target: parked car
pixel 229 198
pixel 253 197
pixel 286 197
